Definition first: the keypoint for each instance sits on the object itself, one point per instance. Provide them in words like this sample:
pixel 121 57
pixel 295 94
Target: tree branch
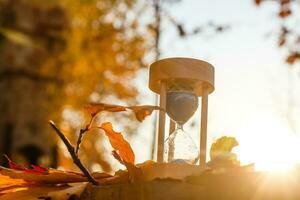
pixel 74 156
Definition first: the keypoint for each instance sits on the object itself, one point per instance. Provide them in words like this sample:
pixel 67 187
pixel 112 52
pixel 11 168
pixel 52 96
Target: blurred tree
pixel 289 35
pixel 55 57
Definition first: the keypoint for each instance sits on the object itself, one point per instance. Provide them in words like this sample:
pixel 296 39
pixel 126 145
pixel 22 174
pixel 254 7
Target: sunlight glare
pixel 269 143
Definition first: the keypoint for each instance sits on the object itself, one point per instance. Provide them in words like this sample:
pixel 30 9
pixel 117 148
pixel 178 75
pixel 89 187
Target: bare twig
pixel 79 140
pixel 74 156
pixel 81 134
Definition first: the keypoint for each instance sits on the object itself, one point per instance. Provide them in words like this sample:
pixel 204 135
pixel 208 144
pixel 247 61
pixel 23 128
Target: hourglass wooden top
pixel 186 69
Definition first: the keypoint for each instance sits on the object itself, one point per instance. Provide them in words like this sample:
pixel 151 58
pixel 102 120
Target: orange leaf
pixel 53 177
pixel 141 112
pixel 7 183
pixel 258 2
pixel 291 59
pixel 61 192
pixel 284 13
pixel 96 108
pixel 118 142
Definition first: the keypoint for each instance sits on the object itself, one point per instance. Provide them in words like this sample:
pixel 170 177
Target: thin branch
pixel 74 156
pixel 79 140
pixel 81 134
pixel 157 29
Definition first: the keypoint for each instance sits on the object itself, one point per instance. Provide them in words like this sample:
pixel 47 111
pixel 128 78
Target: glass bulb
pixel 181 105
pixel 180 148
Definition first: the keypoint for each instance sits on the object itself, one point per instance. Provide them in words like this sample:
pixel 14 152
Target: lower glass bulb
pixel 180 148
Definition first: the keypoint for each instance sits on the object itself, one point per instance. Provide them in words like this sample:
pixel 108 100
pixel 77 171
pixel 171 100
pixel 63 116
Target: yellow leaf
pixel 222 146
pixel 17 37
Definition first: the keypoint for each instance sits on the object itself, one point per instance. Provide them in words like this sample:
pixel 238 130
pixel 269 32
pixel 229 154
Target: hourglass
pixel 181 103
pixel 179 82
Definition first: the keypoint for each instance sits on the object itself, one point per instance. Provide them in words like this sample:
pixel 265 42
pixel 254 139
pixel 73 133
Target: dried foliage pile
pixel 43 183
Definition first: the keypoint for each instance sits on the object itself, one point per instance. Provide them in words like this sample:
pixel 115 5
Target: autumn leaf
pixel 54 176
pixel 55 192
pixel 291 59
pixel 258 2
pixel 33 170
pixel 117 157
pixel 117 141
pixel 284 13
pixel 96 108
pixel 141 112
pixel 40 174
pixel 222 146
pixel 122 152
pixel 7 183
pixel 221 155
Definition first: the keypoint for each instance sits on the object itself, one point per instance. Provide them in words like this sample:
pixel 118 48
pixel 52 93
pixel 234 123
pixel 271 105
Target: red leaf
pixel 13 165
pixel 39 170
pixel 34 170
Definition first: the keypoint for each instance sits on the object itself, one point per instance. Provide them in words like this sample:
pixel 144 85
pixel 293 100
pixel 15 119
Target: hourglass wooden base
pixel 195 75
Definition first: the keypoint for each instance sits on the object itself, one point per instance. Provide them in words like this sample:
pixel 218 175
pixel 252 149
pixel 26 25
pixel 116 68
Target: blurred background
pixel 58 56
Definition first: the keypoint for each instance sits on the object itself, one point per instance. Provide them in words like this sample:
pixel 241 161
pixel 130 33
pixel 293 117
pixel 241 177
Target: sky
pixel 256 97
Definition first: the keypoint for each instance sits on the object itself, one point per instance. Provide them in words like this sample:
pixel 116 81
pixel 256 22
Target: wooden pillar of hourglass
pixel 172 69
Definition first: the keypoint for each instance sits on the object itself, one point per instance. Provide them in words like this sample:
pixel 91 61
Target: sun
pixel 269 143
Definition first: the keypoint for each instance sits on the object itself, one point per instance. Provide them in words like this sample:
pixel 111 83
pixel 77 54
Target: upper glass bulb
pixel 181 105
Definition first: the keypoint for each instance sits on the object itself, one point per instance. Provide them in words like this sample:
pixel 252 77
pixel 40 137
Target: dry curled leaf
pixel 123 153
pixel 141 112
pixel 221 153
pixel 117 141
pixel 96 108
pixel 222 146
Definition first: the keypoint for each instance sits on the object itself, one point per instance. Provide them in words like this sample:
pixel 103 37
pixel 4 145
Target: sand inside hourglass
pixel 180 147
pixel 181 105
